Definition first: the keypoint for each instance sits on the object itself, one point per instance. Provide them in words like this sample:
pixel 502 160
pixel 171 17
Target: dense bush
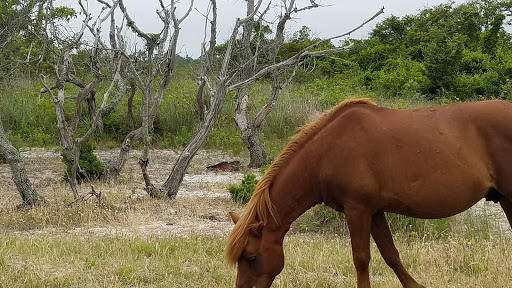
pixel 401 77
pixel 321 219
pixel 242 193
pixel 448 51
pixel 91 167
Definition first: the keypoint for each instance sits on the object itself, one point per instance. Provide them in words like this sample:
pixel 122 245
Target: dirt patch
pixel 200 207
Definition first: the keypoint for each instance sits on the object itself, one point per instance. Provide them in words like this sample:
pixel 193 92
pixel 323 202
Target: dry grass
pixel 196 261
pixel 131 240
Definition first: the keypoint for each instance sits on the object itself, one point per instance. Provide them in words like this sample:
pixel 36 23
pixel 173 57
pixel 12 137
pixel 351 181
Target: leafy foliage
pixel 22 27
pixel 91 167
pixel 445 51
pixel 242 193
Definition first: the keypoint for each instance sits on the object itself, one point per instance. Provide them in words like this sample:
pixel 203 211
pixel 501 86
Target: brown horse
pixel 365 160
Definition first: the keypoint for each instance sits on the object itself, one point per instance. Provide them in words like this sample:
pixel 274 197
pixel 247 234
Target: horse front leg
pixel 384 240
pixel 359 225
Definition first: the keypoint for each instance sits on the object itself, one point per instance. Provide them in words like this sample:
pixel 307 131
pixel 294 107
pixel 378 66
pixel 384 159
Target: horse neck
pixel 291 197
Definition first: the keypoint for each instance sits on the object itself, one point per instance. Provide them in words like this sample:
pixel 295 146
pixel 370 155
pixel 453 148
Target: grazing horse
pixel 364 160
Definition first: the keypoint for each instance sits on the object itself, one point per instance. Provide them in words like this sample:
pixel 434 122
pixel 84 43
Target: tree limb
pixel 303 53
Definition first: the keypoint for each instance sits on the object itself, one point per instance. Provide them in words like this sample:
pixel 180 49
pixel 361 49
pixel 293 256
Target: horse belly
pixel 436 201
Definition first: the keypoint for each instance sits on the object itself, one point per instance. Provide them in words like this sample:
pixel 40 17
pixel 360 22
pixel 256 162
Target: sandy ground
pixel 200 208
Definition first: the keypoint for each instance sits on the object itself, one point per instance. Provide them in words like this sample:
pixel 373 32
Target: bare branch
pixel 86 197
pixel 130 23
pixel 47 88
pixel 213 33
pixel 312 6
pixel 105 3
pixel 301 54
pixel 186 13
pixel 381 11
pixel 231 42
pixel 201 83
pixel 170 58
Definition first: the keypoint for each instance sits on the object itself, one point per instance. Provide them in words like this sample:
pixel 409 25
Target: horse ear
pixel 256 229
pixel 234 216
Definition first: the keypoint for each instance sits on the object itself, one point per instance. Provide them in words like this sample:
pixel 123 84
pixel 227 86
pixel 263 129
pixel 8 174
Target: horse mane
pixel 259 207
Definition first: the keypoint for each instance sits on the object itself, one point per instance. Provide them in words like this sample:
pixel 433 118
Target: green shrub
pixel 491 84
pixel 401 77
pixel 91 167
pixel 412 228
pixel 323 219
pixel 466 87
pixel 506 91
pixel 474 62
pixel 243 192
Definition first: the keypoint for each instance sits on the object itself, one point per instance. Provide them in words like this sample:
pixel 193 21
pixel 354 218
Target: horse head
pixel 262 258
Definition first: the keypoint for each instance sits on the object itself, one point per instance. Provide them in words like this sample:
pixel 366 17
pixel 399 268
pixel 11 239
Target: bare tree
pixel 15 27
pixel 227 80
pixel 251 52
pixel 27 192
pixel 216 95
pixel 59 49
pixel 159 64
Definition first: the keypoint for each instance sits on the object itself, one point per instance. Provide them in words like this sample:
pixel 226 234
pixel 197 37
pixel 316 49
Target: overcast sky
pixel 335 18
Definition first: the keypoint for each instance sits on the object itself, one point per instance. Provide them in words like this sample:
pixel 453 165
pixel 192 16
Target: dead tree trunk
pixel 113 166
pixel 161 60
pixel 130 119
pixel 251 139
pixel 61 56
pixel 28 194
pixel 174 180
pixel 224 84
pixel 250 129
pixel 249 133
pixel 217 95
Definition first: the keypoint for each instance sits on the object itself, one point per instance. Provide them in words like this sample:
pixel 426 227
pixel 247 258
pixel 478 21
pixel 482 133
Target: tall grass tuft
pixel 469 225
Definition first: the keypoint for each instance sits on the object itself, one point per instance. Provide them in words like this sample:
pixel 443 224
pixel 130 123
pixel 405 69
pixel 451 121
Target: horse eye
pixel 251 259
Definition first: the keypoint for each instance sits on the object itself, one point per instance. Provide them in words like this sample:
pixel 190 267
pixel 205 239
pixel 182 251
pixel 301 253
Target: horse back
pixel 429 162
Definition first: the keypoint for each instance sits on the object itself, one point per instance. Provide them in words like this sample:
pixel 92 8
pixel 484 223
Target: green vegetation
pixel 242 193
pixel 197 261
pixel 459 52
pixel 91 168
pixel 445 53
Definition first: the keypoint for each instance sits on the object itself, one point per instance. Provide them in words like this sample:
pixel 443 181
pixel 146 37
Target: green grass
pixel 36 249
pixel 30 121
pixel 112 262
pixel 105 246
pixel 312 260
pixel 468 225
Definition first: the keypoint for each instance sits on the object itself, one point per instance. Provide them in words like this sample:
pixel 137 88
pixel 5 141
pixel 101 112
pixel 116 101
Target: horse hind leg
pixel 506 205
pixel 384 240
